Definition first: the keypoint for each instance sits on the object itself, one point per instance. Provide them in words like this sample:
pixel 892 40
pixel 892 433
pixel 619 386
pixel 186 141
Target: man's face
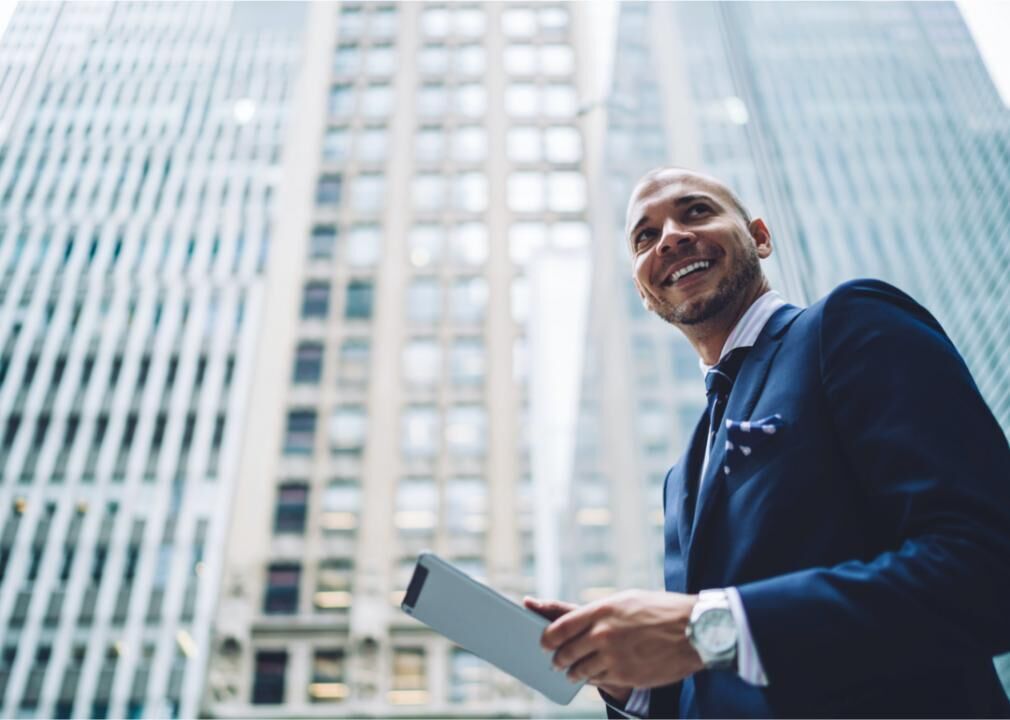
pixel 693 252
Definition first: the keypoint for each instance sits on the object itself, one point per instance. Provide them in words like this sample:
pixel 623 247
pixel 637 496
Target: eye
pixel 644 236
pixel 697 209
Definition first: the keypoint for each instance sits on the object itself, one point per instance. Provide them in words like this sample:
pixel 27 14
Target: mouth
pixel 693 269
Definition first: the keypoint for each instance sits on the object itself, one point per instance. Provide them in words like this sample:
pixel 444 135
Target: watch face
pixel 716 631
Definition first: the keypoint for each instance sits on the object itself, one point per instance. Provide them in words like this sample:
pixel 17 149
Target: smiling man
pixel 837 534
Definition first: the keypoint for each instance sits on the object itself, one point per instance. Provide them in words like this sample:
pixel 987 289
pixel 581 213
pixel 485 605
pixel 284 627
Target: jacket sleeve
pixel 934 467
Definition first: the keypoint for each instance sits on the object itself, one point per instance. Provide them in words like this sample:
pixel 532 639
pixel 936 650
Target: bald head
pixel 660 177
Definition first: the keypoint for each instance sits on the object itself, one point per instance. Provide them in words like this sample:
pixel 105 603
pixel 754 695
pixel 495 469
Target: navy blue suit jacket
pixel 869 537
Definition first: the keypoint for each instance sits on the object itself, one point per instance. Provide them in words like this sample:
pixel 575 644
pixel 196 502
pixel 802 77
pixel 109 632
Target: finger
pixel 568 626
pixel 578 648
pixel 593 665
pixel 550 609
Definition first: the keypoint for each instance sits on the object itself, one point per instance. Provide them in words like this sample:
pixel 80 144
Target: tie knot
pixel 720 378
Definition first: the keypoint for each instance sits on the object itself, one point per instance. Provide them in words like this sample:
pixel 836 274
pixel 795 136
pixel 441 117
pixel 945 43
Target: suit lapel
pixel 686 479
pixel 742 399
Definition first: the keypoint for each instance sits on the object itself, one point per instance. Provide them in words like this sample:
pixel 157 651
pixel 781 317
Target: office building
pixel 439 156
pixel 140 146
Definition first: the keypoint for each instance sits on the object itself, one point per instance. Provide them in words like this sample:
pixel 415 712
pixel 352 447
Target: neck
pixel 709 337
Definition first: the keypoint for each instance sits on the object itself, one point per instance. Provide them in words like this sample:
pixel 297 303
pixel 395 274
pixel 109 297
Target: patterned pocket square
pixel 742 437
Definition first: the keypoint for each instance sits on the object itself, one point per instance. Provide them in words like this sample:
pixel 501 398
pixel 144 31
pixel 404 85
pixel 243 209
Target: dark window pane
pixel 282 589
pixel 301 432
pixel 359 300
pixel 316 300
pixel 268 683
pixel 291 503
pixel 328 190
pixel 308 363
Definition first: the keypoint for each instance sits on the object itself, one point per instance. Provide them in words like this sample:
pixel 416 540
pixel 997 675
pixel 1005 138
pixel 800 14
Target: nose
pixel 673 236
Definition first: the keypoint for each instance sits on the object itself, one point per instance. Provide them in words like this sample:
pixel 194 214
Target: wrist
pixel 712 632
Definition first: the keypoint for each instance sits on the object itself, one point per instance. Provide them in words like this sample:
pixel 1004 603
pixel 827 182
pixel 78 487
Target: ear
pixel 762 237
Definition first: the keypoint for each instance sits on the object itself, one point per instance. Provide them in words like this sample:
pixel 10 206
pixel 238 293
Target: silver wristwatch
pixel 712 630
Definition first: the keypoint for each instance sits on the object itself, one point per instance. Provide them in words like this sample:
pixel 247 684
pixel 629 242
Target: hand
pixel 633 639
pixel 552 610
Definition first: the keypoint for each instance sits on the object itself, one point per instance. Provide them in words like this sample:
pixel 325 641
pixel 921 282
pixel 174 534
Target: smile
pixel 687 270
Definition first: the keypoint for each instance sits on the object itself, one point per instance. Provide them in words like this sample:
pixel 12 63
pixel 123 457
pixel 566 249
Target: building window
pixel 328 676
pixel 433 59
pixel 363 246
pixel 381 60
pixel 469 299
pixel 525 240
pixel 367 192
pixel 521 100
pixel 469 144
pixel 341 100
pixel 341 504
pixel 429 145
pixel 526 192
pixel 410 680
pixel 346 60
pixel 466 361
pixel 420 431
pixel 424 300
pixel 322 242
pixel 268 682
pixel 422 361
pixel 563 144
pixel 328 190
pixel 468 244
pixel 566 192
pixel 424 243
pixel 316 300
pixel 359 300
pixel 333 584
pixel 470 192
pixel 466 505
pixel 308 363
pixel 471 100
pixel 336 145
pixel 519 22
pixel 468 680
pixel 292 500
pixel 466 430
pixel 355 354
pixel 348 426
pixel 377 101
pixel 432 100
pixel 281 596
pixel 301 432
pixel 371 147
pixel 416 505
pixel 522 145
pixel 557 60
pixel 469 60
pixel 429 192
pixel 520 59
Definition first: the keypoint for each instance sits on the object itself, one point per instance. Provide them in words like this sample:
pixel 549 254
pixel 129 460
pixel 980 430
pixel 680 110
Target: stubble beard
pixel 744 274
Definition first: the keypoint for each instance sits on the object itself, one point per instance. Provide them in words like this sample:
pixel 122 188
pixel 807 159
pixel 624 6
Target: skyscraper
pixel 439 157
pixel 139 153
pixel 872 140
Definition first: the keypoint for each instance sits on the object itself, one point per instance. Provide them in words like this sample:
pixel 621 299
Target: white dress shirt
pixel 744 334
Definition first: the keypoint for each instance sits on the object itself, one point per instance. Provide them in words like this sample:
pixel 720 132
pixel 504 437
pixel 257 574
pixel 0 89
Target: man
pixel 838 531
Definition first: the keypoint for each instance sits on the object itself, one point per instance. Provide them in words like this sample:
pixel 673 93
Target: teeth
pixel 700 265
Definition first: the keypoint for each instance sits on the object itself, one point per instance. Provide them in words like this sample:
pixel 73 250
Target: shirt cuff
pixel 748 663
pixel 636 706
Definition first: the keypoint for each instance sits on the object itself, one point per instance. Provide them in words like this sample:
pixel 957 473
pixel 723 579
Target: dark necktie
pixel 718 383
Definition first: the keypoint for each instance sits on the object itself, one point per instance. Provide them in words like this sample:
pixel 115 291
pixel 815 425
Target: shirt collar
pixel 745 332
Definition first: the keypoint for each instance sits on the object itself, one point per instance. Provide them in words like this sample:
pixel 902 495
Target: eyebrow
pixel 678 202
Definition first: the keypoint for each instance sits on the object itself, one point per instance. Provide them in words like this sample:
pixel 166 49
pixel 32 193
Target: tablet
pixel 486 623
